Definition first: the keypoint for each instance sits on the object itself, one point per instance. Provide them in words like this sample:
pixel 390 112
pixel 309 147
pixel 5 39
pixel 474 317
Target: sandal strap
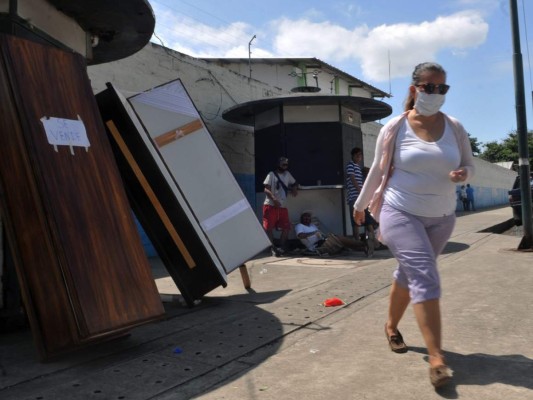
pixel 396 339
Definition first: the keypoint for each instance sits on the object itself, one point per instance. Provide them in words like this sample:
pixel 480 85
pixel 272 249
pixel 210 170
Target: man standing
pixel 278 184
pixel 354 184
pixel 464 198
pixel 470 197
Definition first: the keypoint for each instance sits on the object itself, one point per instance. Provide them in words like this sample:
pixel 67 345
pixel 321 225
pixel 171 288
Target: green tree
pixel 475 144
pixel 506 149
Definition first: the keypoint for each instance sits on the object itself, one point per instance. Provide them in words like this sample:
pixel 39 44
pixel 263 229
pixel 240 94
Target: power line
pixel 186 17
pixel 198 8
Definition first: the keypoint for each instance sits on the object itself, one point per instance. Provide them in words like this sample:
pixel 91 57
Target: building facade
pixel 217 85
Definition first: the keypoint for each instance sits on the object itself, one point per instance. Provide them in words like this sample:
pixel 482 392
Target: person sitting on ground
pixel 316 242
pixel 308 233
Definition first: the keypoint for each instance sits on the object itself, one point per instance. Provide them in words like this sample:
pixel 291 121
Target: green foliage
pixel 475 144
pixel 506 149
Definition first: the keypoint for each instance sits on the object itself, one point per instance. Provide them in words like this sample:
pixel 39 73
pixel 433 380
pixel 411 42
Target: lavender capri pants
pixel 416 242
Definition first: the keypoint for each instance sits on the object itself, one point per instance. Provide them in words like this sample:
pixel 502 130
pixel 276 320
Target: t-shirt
pixel 420 183
pixel 311 241
pixel 353 169
pixel 383 164
pixel 276 187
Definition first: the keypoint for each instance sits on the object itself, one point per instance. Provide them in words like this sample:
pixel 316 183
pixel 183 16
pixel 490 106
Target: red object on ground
pixel 333 302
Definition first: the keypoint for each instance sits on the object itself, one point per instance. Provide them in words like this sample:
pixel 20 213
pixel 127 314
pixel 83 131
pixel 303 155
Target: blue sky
pixel 472 39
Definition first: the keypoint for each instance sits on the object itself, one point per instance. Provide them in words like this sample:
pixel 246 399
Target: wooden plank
pixel 245 277
pixel 151 195
pixel 178 133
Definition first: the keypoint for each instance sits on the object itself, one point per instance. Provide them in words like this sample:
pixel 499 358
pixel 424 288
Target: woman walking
pixel 420 156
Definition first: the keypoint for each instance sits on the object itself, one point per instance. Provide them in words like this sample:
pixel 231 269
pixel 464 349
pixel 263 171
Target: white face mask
pixel 428 104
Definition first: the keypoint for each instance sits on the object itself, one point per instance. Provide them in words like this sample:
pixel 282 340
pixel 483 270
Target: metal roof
pixel 369 109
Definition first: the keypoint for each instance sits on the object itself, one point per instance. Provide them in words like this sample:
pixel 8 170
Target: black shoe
pixel 381 247
pixel 277 251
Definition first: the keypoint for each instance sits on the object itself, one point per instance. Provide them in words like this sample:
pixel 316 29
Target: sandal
pixel 440 376
pixel 396 342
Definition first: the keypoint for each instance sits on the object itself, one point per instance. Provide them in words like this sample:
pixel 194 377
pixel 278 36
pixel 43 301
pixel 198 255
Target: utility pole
pixel 521 131
pixel 250 55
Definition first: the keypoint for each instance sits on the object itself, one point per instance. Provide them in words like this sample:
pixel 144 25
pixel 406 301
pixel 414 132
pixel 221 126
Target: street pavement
pixel 277 341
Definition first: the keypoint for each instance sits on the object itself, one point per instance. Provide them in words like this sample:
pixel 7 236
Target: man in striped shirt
pixel 354 184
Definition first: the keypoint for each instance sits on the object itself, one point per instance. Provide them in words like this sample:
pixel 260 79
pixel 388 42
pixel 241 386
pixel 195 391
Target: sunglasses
pixel 430 88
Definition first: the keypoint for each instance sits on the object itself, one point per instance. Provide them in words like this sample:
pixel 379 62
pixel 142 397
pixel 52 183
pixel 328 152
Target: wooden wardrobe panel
pixel 83 271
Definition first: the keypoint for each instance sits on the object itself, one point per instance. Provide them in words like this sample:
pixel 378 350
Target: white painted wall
pixel 44 16
pixel 214 88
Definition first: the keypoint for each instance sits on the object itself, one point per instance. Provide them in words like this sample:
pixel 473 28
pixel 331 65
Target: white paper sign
pixel 65 132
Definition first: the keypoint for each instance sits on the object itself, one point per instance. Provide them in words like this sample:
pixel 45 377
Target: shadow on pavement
pixel 479 369
pixel 252 296
pixel 152 359
pixel 454 247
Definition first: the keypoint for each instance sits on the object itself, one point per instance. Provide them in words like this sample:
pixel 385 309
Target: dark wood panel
pixel 79 258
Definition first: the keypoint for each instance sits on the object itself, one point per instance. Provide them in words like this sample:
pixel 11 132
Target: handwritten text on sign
pixel 65 132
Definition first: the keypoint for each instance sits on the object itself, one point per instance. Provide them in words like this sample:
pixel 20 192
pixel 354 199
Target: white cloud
pixel 407 44
pixel 313 14
pixel 194 38
pixel 323 39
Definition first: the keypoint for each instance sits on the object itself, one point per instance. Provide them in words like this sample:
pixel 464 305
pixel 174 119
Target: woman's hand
pixel 359 217
pixel 459 175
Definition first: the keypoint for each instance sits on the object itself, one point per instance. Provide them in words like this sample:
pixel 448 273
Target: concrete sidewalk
pixel 487 294
pixel 276 341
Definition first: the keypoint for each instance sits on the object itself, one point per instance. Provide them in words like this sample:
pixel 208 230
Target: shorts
pixel 275 218
pixel 416 242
